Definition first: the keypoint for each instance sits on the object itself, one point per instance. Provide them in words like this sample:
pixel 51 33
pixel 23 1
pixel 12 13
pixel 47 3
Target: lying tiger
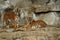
pixel 38 23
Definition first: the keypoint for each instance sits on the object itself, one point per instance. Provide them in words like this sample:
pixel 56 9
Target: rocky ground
pixel 47 33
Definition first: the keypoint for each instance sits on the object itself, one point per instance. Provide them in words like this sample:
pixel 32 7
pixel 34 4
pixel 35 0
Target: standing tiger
pixel 11 15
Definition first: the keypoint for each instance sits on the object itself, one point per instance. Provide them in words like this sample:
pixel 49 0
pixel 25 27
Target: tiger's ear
pixel 15 9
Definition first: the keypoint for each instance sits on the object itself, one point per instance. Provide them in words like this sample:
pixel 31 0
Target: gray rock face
pixel 23 3
pixel 58 2
pixel 41 6
pixel 51 18
pixel 41 2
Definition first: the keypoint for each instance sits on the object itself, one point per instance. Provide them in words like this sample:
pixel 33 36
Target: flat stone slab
pixel 51 33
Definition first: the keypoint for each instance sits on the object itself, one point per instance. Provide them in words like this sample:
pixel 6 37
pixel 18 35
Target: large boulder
pixel 51 18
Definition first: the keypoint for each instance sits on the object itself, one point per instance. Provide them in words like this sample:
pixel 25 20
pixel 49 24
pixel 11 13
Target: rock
pixel 41 2
pixel 57 2
pixel 29 38
pixel 23 3
pixel 42 8
pixel 51 18
pixel 2 39
pixel 47 33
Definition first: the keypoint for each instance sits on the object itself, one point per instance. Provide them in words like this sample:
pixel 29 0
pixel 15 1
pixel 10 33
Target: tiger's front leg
pixel 14 25
pixel 7 24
